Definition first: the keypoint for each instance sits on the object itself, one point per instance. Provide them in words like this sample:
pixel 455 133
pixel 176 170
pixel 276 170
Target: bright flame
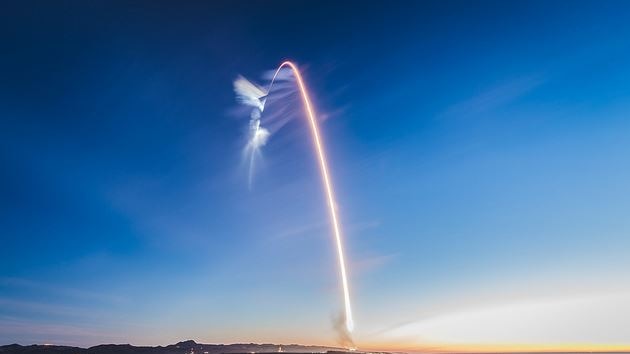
pixel 323 166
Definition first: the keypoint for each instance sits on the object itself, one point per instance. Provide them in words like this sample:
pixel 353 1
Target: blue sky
pixel 479 152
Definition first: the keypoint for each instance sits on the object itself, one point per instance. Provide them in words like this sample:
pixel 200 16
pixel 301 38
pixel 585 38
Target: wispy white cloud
pixel 38 332
pixel 495 97
pixel 62 291
pixel 27 308
pixel 370 263
pixel 302 229
pixel 594 319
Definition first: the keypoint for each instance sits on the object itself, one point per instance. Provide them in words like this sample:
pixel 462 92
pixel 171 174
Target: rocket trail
pixel 330 195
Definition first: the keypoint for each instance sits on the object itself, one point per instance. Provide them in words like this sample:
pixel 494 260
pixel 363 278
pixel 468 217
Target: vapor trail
pixel 252 95
pixel 330 195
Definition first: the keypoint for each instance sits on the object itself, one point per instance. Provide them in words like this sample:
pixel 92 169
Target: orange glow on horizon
pixel 496 348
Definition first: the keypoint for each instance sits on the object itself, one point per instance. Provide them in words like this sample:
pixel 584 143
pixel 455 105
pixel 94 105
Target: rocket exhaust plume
pixel 254 96
pixel 344 337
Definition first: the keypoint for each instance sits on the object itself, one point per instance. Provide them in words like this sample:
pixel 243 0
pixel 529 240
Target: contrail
pixel 323 167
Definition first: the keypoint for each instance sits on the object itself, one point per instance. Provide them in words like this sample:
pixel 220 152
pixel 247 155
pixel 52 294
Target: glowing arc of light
pixel 323 166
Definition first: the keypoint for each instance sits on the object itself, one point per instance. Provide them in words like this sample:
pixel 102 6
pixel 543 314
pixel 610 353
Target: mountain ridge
pixel 183 347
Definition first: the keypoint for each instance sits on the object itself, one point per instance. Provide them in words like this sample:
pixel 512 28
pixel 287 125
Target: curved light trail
pixel 330 195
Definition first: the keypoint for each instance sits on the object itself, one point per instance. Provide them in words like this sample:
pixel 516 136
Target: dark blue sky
pixel 479 151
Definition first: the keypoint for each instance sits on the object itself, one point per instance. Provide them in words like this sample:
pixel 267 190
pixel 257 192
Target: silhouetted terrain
pixel 186 347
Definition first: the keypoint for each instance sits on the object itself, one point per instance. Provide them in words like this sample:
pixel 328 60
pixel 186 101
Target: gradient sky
pixel 480 151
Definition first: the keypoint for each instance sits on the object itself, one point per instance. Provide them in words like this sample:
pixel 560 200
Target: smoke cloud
pixel 270 111
pixel 344 337
pixel 249 94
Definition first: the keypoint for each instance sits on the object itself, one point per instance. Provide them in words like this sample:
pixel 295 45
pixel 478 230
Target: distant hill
pixel 185 347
